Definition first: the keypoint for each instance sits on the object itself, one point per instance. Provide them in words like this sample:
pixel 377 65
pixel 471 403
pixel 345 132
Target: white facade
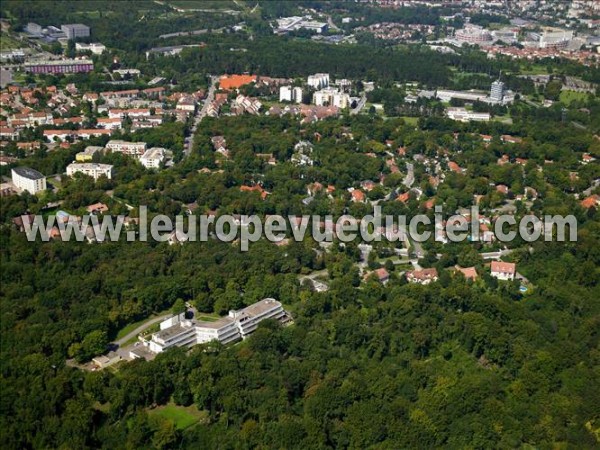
pixel 318 80
pixel 331 97
pixel 179 332
pixel 127 148
pixel 93 170
pixel 462 115
pixel 96 48
pixel 497 91
pixel 153 157
pixel 503 270
pixel 290 94
pixel 29 180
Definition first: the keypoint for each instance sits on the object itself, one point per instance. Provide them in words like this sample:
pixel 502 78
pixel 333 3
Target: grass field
pixel 567 97
pixel 132 326
pixel 9 43
pixel 182 416
pixel 410 120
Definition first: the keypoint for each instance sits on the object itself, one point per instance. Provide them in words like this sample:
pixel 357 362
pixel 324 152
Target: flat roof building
pixel 179 332
pixel 153 157
pixel 94 170
pixel 28 179
pixel 75 30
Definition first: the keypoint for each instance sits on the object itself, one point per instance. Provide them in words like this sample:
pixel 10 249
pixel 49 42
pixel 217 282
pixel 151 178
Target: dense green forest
pixel 453 365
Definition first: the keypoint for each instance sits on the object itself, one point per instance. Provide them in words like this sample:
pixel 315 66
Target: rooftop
pixel 29 173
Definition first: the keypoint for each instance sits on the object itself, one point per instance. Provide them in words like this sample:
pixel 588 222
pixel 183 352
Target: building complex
pixel 180 332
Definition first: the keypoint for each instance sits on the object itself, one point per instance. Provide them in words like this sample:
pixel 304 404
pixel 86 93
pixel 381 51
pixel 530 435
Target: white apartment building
pixel 128 148
pixel 153 157
pixel 179 332
pixel 94 170
pixel 29 180
pixel 331 97
pixel 290 94
pixel 318 80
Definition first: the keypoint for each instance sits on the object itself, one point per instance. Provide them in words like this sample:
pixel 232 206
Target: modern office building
pixel 29 180
pixel 94 170
pixel 180 332
pixel 75 30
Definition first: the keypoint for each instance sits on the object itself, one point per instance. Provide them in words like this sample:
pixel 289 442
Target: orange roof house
pixel 358 195
pixel 591 202
pixel 469 272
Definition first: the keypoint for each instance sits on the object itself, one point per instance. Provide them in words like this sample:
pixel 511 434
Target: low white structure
pixel 180 332
pixel 503 270
pixel 95 47
pixel 463 115
pixel 29 180
pixel 153 157
pixel 94 170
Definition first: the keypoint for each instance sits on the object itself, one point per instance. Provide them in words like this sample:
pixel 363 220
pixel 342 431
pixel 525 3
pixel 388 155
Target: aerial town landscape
pixel 150 119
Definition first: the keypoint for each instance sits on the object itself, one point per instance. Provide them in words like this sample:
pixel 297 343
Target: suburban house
pixel 423 276
pixel 503 270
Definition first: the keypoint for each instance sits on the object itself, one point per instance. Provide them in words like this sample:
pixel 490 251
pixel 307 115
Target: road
pixel 331 24
pixel 360 106
pixel 200 115
pixel 141 328
pixel 410 176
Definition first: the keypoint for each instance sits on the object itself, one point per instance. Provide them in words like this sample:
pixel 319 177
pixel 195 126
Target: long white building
pixel 180 332
pixel 29 180
pixel 128 148
pixel 94 170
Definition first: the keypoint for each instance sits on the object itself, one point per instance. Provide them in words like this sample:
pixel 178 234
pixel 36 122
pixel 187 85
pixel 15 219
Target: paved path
pixel 141 328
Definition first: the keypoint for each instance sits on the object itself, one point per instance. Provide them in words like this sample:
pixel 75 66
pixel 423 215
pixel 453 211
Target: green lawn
pixel 9 43
pixel 567 97
pixel 182 416
pixel 206 318
pixel 410 120
pixel 132 326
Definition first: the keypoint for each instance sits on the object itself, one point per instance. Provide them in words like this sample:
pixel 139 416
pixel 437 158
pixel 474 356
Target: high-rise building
pixel 497 91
